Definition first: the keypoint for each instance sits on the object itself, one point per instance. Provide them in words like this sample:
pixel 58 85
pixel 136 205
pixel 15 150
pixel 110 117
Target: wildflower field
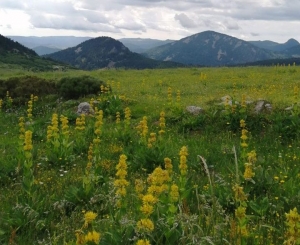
pixel 143 170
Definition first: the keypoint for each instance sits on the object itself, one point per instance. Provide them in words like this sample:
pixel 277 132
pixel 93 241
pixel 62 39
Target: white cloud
pixel 161 19
pixel 185 21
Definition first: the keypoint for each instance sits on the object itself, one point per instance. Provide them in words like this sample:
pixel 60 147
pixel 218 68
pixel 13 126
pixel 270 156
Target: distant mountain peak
pixel 210 48
pixel 104 52
pixel 292 42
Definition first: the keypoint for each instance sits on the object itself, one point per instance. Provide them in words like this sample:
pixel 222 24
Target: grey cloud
pixel 107 5
pixel 254 34
pixel 275 10
pixel 185 21
pixel 49 7
pixel 94 16
pixel 9 4
pixel 40 21
pixel 231 25
pixel 134 26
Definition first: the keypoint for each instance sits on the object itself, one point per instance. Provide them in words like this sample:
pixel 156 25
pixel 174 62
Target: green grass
pixel 64 185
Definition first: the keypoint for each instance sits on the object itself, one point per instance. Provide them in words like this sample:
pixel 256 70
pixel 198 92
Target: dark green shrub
pixel 20 88
pixel 76 87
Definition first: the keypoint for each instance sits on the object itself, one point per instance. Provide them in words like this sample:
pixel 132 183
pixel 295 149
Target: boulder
pixel 262 106
pixel 195 110
pixel 226 99
pixel 85 108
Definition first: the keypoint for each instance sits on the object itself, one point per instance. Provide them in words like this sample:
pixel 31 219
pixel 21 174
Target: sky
pixel 276 20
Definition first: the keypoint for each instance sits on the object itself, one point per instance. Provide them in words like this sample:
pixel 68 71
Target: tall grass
pixel 142 170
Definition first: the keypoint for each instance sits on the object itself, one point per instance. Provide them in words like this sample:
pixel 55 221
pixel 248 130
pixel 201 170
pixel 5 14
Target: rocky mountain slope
pixel 210 48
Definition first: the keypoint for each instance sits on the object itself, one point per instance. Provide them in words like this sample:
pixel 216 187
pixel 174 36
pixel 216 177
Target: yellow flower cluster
pixel 28 141
pixel 105 164
pixel 80 123
pixel 178 96
pixel 145 225
pixel 143 242
pixel 29 110
pixel 92 103
pixel 162 123
pixel 30 106
pixel 226 103
pixel 174 193
pixel 248 174
pixel 148 204
pixel 157 181
pixel 143 128
pixel 252 157
pixel 64 125
pixel 98 126
pixel 239 194
pixel 102 89
pixel 293 225
pixel 244 136
pixel 90 157
pixel 168 165
pixel 52 130
pixel 21 127
pixel 113 148
pixel 92 237
pixel 151 139
pixel 89 217
pixel 121 183
pixel 118 116
pixel 127 113
pixel 240 212
pixel 183 159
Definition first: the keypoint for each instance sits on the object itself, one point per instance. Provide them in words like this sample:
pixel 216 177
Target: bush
pixel 20 88
pixel 76 87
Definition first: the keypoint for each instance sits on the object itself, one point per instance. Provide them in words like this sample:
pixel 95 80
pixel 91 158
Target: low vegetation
pixel 143 170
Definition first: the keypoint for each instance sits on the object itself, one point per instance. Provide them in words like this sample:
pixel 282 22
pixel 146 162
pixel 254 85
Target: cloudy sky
pixel 276 20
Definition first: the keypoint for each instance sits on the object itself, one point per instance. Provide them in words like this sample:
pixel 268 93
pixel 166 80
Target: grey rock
pixel 85 108
pixel 262 106
pixel 195 110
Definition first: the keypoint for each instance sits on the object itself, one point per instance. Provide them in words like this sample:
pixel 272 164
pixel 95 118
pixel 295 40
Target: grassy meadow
pixel 142 170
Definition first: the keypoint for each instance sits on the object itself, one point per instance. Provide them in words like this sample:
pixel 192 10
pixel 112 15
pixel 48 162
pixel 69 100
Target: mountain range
pixel 207 48
pixel 270 45
pixel 106 52
pixel 210 48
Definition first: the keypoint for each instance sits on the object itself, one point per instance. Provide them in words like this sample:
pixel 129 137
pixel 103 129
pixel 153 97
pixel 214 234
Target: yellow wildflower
pixel 149 199
pixel 145 225
pixel 248 174
pixel 168 165
pixel 143 242
pixel 147 209
pixel 28 141
pixel 240 212
pixel 93 237
pixel 89 217
pixel 174 193
pixel 239 194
